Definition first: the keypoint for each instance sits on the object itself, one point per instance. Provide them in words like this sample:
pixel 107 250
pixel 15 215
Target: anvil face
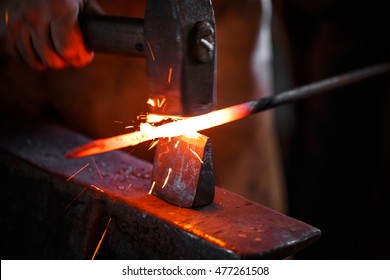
pixel 183 172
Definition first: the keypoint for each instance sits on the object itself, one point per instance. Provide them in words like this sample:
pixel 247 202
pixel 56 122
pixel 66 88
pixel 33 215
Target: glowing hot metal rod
pixel 226 115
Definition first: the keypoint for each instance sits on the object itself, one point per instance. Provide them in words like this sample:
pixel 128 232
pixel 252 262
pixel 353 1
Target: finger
pixel 25 48
pixel 68 42
pixel 44 48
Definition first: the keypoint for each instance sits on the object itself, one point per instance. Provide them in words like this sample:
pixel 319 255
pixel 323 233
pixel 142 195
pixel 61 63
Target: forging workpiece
pixel 62 209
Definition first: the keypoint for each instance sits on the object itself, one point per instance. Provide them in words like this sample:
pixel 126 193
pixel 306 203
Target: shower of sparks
pixel 154 144
pixel 152 187
pixel 74 199
pixel 77 172
pixel 195 153
pixel 176 127
pixel 101 240
pixel 169 75
pixel 177 143
pixel 128 187
pixel 97 168
pixel 167 178
pixel 97 188
pixel 151 51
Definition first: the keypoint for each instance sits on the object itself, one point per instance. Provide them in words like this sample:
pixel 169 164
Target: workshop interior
pixel 306 180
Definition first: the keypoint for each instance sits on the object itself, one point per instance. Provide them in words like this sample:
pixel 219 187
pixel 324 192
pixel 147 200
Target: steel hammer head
pixel 180 55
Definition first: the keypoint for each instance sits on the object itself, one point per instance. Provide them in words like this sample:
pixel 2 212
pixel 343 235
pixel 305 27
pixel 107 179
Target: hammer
pixel 177 38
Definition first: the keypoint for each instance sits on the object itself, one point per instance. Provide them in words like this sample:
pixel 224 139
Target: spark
pixel 192 151
pixel 159 104
pixel 167 178
pixel 163 108
pixel 151 102
pixel 151 51
pixel 132 150
pixel 97 188
pixel 97 168
pixel 6 17
pixel 177 143
pixel 148 132
pixel 77 172
pixel 154 144
pixel 152 187
pixel 67 207
pixel 128 187
pixel 169 75
pixel 101 239
pixel 118 122
pixel 129 126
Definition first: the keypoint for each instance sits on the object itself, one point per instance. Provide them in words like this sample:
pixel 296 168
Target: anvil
pixel 177 38
pixel 55 208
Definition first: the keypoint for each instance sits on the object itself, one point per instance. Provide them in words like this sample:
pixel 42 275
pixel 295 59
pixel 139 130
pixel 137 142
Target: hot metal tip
pixel 92 148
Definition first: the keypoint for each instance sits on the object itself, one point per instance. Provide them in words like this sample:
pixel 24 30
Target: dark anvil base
pixel 51 215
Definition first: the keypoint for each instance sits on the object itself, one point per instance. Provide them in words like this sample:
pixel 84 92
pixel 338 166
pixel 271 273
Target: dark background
pixel 336 159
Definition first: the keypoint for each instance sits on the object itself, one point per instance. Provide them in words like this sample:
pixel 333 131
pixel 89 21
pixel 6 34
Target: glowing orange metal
pixel 148 132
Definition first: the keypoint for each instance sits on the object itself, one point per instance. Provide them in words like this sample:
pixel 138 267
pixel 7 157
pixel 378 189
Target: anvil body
pixel 50 216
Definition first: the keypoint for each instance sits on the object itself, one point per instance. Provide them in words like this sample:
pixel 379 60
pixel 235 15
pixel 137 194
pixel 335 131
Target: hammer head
pixel 180 55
